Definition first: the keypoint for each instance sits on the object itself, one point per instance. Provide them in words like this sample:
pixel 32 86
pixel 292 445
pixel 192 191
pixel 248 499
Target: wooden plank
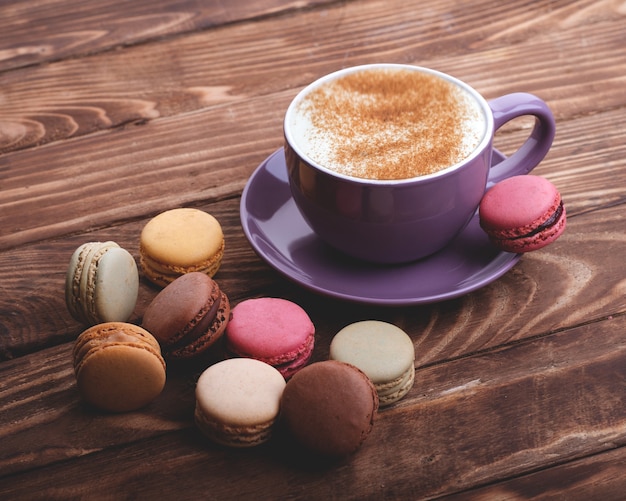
pixel 93 181
pixel 526 410
pixel 600 476
pixel 81 96
pixel 36 31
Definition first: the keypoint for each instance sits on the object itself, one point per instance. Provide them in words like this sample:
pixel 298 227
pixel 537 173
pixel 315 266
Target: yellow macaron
pixel 180 241
pixel 118 366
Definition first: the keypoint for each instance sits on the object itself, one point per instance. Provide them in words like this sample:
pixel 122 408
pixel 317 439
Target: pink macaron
pixel 522 214
pixel 272 330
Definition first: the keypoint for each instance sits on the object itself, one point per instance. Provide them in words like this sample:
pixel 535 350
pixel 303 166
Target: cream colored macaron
pixel 383 351
pixel 237 401
pixel 180 241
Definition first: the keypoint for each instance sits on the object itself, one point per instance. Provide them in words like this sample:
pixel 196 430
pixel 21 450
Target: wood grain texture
pixel 595 477
pixel 37 31
pixel 83 95
pixel 112 111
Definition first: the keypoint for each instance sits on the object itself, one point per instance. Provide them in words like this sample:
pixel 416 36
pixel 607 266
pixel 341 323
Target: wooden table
pixel 113 111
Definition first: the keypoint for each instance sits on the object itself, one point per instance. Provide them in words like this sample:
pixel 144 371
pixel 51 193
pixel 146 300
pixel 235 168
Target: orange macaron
pixel 118 366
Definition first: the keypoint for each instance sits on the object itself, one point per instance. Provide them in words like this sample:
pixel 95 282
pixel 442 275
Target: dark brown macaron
pixel 188 316
pixel 329 407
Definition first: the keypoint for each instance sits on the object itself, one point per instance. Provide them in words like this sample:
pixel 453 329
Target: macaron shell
pixel 113 332
pixel 298 360
pixel 188 316
pixel 273 330
pixel 513 211
pixel 534 242
pixel 238 400
pixel 389 393
pixel 380 349
pixel 102 283
pixel 329 407
pixel 163 274
pixel 88 278
pixel 72 281
pixel 116 287
pixel 120 378
pixel 179 306
pixel 180 241
pixel 118 367
pixel 233 436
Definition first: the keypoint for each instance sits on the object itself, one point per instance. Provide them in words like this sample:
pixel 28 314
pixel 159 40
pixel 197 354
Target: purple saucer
pixel 281 237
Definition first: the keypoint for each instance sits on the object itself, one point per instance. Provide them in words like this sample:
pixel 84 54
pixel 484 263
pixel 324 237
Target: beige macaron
pixel 381 350
pixel 118 366
pixel 180 241
pixel 237 401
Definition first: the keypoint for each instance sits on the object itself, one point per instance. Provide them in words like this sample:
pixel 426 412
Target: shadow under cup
pixel 402 220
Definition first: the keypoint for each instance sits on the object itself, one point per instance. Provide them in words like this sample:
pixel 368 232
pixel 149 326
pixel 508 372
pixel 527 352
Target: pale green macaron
pixel 383 351
pixel 102 283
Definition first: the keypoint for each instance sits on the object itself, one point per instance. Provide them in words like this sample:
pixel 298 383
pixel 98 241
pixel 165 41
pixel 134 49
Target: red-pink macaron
pixel 273 330
pixel 522 214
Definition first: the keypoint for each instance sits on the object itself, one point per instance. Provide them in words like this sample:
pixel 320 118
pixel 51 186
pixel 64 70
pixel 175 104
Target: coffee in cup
pixel 388 123
pixel 388 162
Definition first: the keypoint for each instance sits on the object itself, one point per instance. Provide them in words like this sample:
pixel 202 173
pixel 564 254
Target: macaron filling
pixel 197 328
pixel 207 334
pixel 295 362
pixel 389 393
pixel 549 223
pixel 233 436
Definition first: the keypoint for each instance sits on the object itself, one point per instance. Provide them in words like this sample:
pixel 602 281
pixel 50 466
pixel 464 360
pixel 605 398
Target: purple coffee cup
pixel 401 220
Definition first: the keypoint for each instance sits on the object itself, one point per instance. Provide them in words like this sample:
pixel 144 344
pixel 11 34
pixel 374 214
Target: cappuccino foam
pixel 388 123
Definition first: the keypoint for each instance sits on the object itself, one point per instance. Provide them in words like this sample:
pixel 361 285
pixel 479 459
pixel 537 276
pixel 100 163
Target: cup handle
pixel 535 148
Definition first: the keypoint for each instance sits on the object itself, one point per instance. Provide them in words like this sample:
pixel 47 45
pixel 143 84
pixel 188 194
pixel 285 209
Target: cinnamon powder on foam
pixel 390 124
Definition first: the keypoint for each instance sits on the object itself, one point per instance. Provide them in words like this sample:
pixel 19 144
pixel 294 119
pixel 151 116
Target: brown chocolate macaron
pixel 188 316
pixel 329 407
